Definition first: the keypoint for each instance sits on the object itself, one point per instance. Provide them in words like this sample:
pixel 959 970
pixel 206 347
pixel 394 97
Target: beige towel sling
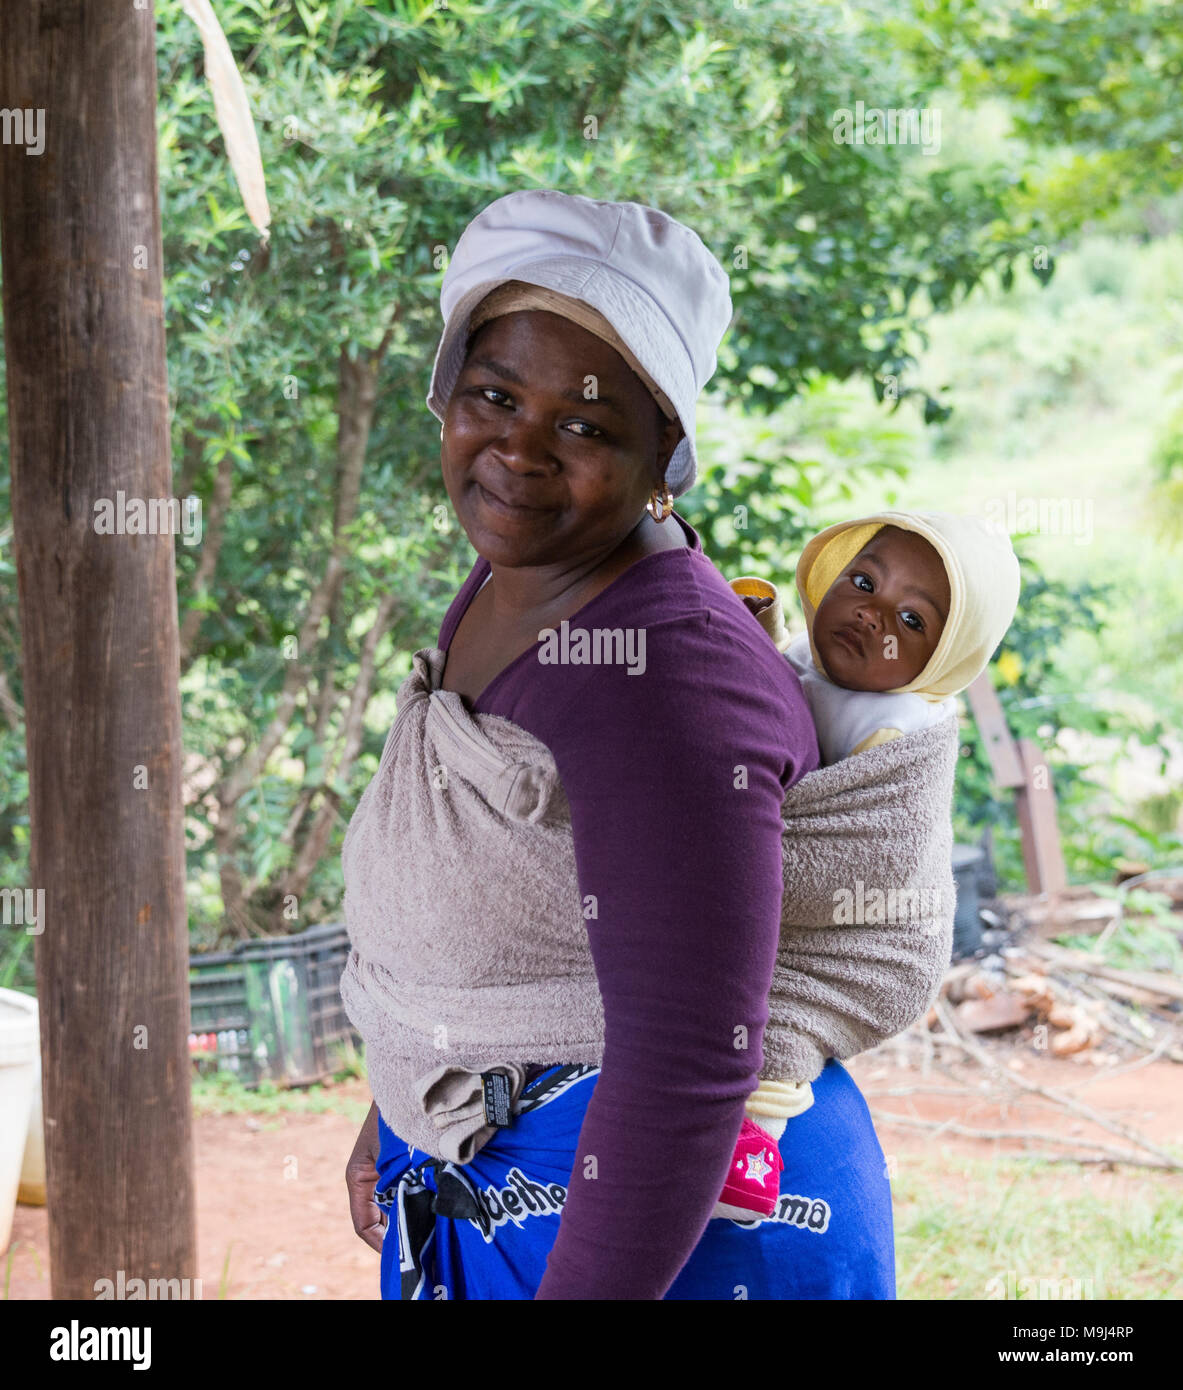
pixel 469 946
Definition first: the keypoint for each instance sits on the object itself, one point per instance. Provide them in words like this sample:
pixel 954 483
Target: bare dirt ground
pixel 1148 1100
pixel 273 1222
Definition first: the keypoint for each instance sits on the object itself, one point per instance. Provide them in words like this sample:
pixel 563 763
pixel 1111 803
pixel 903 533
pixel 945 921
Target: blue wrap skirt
pixel 483 1230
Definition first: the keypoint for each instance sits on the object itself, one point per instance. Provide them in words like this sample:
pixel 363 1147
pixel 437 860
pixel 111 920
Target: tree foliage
pixel 1094 82
pixel 298 369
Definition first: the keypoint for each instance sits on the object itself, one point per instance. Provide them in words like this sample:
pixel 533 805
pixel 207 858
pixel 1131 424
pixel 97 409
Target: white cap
pixel 651 278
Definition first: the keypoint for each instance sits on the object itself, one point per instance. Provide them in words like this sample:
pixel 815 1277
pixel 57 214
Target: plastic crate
pixel 219 1019
pixel 271 1008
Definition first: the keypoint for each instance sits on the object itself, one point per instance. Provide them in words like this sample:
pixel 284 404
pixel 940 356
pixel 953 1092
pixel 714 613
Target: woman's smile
pixel 504 507
pixel 537 471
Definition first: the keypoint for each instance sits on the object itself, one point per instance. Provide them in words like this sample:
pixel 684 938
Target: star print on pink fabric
pixel 758 1169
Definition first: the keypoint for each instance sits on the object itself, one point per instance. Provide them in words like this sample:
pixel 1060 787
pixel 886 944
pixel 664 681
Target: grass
pixel 222 1093
pixel 973 1229
pixel 12 1249
pixel 224 1280
pixel 1147 937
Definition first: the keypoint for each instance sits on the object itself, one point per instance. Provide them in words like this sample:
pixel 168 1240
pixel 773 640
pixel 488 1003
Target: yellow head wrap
pixel 983 573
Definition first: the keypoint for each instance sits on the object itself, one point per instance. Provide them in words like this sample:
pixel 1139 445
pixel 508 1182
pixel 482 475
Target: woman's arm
pixel 675 779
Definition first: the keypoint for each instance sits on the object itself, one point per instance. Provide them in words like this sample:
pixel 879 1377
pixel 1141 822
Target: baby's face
pixel 881 619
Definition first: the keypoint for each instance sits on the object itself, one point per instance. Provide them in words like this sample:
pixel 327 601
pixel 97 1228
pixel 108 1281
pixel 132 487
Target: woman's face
pixel 881 619
pixel 538 473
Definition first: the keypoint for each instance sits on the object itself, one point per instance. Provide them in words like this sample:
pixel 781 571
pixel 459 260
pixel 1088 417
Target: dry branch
pixel 1056 1097
pixel 1154 981
pixel 1105 1154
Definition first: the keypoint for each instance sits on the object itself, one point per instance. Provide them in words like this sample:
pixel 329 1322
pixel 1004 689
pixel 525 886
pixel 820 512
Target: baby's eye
pixel 914 621
pixel 586 426
pixel 855 580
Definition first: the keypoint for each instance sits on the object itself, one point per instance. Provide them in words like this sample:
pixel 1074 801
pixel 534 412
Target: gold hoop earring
pixel 665 502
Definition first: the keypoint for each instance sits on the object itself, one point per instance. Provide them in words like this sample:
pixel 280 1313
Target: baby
pixel 903 610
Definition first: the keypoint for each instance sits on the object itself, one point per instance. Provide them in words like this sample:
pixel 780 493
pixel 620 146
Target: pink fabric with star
pixel 753 1180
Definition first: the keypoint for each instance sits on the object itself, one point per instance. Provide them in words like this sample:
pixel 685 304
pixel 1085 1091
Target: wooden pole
pixel 1022 766
pixel 81 250
pixel 1035 804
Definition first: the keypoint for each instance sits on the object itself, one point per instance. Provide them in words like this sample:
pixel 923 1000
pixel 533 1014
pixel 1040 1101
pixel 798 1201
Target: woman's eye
pixel 484 392
pixel 914 620
pixel 856 577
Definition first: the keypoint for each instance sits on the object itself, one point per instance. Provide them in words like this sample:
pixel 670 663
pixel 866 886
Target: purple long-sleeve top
pixel 675 778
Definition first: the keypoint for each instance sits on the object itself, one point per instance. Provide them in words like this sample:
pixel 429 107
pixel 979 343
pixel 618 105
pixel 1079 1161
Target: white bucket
pixel 19 1050
pixel 32 1189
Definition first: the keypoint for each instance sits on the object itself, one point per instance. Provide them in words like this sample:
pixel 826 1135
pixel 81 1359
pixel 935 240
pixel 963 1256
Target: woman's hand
pixel 361 1176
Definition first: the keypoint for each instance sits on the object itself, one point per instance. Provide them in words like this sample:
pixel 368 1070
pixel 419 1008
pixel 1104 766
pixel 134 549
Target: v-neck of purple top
pixel 675 778
pixel 481 571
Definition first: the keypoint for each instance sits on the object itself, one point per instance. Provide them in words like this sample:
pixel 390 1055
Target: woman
pixel 592 976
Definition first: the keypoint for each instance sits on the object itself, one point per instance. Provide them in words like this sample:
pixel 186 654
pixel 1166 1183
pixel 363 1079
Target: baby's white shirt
pixel 844 718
